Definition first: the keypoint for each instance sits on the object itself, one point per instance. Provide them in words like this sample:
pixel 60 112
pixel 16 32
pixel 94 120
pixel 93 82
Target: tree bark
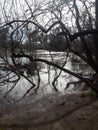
pixel 96 36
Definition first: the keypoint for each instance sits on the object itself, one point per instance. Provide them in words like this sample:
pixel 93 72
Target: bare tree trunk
pixel 96 36
pixel 96 10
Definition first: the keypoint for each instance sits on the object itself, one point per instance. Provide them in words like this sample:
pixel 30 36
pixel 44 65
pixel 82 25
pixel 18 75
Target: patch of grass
pixel 82 95
pixel 1 128
pixel 88 94
pixel 92 93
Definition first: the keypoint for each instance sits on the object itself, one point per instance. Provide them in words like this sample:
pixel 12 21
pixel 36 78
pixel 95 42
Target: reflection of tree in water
pixel 32 68
pixel 80 66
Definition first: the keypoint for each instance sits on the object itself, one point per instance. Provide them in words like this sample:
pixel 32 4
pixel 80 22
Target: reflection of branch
pixel 39 79
pixel 19 73
pixel 55 88
pixel 61 68
pixel 74 83
pixel 33 85
pixel 14 85
pixel 86 80
pixel 55 79
pixel 28 91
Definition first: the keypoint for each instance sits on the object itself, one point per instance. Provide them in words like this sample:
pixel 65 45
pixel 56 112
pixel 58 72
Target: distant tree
pixel 4 42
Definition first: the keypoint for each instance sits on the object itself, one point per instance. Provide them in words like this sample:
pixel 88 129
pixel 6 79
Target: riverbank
pixel 53 112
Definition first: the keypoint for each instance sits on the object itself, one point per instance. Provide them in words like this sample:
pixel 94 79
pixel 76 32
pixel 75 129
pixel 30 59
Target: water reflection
pixel 43 75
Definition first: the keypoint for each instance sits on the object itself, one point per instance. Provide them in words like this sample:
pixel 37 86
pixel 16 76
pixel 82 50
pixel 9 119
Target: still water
pixel 48 73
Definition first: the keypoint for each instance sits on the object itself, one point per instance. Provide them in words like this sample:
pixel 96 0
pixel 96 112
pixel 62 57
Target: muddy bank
pixel 53 112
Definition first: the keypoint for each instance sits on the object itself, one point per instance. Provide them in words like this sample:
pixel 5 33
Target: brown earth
pixel 53 112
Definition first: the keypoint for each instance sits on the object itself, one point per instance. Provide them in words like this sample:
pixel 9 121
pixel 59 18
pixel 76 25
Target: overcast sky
pixel 13 9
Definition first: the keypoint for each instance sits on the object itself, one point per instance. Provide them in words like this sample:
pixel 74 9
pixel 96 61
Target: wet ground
pixel 53 112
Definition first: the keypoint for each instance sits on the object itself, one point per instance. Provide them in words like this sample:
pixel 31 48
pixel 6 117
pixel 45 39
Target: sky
pixel 41 10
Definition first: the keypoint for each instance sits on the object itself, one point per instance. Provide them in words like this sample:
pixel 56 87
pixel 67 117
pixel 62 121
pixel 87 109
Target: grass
pixel 88 94
pixel 1 128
